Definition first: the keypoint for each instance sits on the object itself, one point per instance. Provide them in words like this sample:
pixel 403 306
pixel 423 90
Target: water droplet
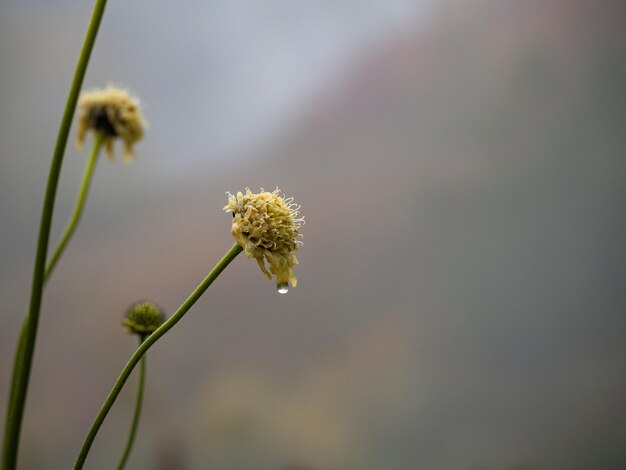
pixel 282 288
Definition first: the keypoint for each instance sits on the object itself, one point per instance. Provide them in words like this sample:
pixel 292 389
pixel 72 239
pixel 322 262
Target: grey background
pixel 461 290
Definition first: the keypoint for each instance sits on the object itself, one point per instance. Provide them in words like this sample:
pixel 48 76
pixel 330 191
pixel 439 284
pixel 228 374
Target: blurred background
pixel 462 284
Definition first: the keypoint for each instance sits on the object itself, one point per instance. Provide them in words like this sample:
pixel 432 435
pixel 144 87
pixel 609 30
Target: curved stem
pixel 78 207
pixel 67 234
pixel 143 348
pixel 137 413
pixel 21 375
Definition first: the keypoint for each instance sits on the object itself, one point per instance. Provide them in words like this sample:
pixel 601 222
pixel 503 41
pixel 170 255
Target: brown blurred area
pixel 461 286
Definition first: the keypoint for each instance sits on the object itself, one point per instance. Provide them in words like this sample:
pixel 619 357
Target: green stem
pixel 137 413
pixel 78 207
pixel 67 234
pixel 143 348
pixel 21 374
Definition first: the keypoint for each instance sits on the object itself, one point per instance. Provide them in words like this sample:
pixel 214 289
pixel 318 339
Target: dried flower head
pixel 266 226
pixel 143 318
pixel 115 113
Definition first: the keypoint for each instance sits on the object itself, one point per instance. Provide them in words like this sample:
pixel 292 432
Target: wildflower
pixel 143 318
pixel 115 113
pixel 266 226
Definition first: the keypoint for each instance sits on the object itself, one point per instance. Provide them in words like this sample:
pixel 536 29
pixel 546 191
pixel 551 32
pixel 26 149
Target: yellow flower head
pixel 143 318
pixel 115 113
pixel 266 226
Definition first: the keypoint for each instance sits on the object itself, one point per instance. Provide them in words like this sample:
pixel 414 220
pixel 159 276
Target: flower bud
pixel 143 318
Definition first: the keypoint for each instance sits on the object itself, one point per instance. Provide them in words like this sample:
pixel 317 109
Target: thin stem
pixel 143 348
pixel 67 234
pixel 21 375
pixel 17 362
pixel 78 207
pixel 137 413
